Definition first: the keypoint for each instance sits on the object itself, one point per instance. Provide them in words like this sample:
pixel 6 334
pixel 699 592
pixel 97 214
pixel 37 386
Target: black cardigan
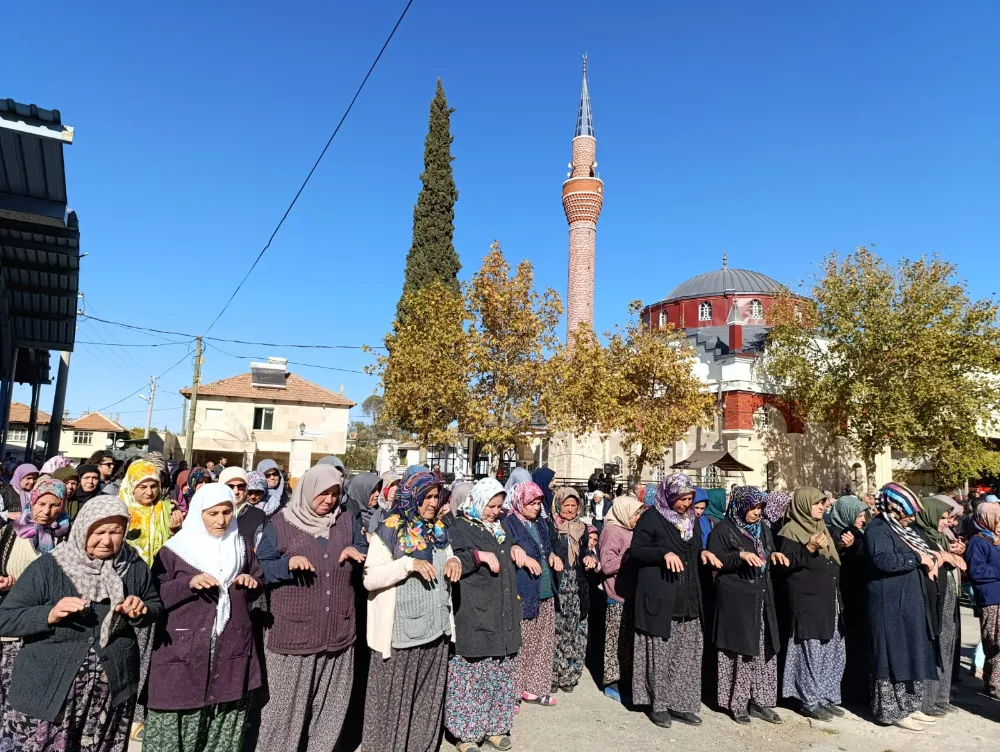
pixel 662 596
pixel 812 583
pixel 487 607
pixel 741 591
pixel 52 655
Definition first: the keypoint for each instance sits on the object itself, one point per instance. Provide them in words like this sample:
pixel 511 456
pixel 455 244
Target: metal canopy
pixel 702 458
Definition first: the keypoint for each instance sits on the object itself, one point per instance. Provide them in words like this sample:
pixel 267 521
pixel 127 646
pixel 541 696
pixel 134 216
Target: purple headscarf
pixel 15 483
pixel 404 531
pixel 43 536
pixel 776 505
pixel 54 463
pixel 743 500
pixel 668 492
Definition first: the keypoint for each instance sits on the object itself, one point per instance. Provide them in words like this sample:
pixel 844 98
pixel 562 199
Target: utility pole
pixel 195 381
pixel 149 410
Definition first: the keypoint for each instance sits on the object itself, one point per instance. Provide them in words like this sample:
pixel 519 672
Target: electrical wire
pixel 290 362
pixel 315 165
pixel 108 407
pixel 130 344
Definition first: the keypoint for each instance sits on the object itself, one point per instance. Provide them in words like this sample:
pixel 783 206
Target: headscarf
pixel 96 579
pixel 543 477
pixel 716 510
pixel 475 504
pixel 334 461
pixel 517 475
pixel 223 557
pixel 65 473
pixel 743 500
pixel 160 462
pixel 574 529
pixel 196 476
pixel 622 510
pixel 957 511
pixel 273 499
pixel 801 525
pixel 928 519
pixel 148 527
pixel 299 511
pixel 404 531
pixel 360 490
pixel 894 501
pixel 257 482
pixel 413 470
pixel 460 491
pixel 668 492
pixel 845 511
pixel 43 537
pixel 775 505
pixel 15 483
pixel 82 496
pixel 522 494
pixel 649 498
pixel 987 521
pixel 54 463
pixel 389 479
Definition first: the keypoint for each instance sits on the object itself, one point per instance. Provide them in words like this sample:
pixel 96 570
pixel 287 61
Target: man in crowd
pixel 105 462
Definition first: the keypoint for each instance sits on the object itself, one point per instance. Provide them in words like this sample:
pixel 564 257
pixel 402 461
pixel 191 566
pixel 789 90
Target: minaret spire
pixel 584 116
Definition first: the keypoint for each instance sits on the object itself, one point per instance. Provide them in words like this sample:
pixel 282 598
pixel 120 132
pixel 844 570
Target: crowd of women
pixel 229 616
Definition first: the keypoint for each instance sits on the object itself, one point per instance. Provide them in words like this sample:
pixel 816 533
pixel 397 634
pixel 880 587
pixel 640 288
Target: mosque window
pixel 705 311
pixel 663 319
pixel 756 309
pixel 761 418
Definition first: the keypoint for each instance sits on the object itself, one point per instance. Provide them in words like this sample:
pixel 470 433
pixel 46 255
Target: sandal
pixel 546 700
pixel 138 732
pixel 467 747
pixel 501 742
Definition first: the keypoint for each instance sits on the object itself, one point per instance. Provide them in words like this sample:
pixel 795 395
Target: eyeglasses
pixel 271 474
pixel 237 486
pixel 106 464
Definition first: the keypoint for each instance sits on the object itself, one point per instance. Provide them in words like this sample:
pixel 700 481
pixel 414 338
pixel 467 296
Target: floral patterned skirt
pixel 88 722
pixel 571 634
pixel 618 643
pixel 480 699
pixel 8 652
pixel 989 625
pixel 217 728
pixel 534 661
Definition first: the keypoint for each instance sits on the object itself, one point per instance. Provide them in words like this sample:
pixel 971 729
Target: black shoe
pixel 947 707
pixel 741 717
pixel 691 719
pixel 661 719
pixel 817 713
pixel 936 712
pixel 765 714
pixel 567 690
pixel 834 710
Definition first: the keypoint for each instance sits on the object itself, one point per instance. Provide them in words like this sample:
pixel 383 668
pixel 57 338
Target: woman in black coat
pixel 746 624
pixel 480 700
pixel 815 655
pixel 666 549
pixel 904 653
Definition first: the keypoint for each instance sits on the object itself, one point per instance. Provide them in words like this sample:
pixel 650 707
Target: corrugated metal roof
pixel 31 163
pixel 725 280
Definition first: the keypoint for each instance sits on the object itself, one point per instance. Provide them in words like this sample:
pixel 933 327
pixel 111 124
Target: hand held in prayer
pixel 246 581
pixel 532 566
pixel 958 547
pixel 518 555
pixel 490 560
pixel 13 516
pixel 203 581
pixel 779 559
pixel 556 563
pixel 816 542
pixel 453 570
pixel 589 562
pixel 673 562
pixel 751 559
pixel 711 560
pixel 352 554
pixel 132 607
pixel 7 582
pixel 425 569
pixel 300 564
pixel 928 563
pixel 66 607
pixel 847 540
pixel 176 519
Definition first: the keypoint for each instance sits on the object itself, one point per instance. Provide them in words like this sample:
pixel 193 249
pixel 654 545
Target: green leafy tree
pixel 138 432
pixel 893 356
pixel 432 255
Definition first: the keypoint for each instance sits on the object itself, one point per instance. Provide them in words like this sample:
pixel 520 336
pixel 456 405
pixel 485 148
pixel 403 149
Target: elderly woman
pixel 904 651
pixel 204 663
pixel 982 554
pixel 75 681
pixel 666 548
pixel 277 494
pixel 90 484
pixel 408 574
pixel 815 656
pixel 363 495
pixel 152 520
pixel 307 552
pixel 568 539
pixel 746 623
pixel 17 494
pixel 848 518
pixel 616 537
pixel 480 700
pixel 70 477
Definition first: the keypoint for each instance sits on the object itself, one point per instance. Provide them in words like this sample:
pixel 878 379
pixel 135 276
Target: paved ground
pixel 586 721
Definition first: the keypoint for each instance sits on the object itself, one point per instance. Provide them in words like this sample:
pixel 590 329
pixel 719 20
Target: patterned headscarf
pixel 404 531
pixel 573 529
pixel 649 497
pixel 148 527
pixel 987 521
pixel 197 476
pixel 54 463
pixel 256 482
pixel 742 501
pixel 896 501
pixel 43 537
pixel 475 504
pixel 517 475
pixel 390 480
pixel 776 505
pixel 668 492
pixel 521 495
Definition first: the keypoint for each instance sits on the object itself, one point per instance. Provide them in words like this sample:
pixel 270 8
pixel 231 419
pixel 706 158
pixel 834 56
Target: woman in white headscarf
pixel 204 663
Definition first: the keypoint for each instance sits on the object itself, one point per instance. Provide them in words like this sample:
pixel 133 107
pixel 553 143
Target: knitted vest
pixel 313 613
pixel 423 609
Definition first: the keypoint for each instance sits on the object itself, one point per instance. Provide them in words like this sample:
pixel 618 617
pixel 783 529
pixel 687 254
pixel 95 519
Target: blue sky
pixel 775 131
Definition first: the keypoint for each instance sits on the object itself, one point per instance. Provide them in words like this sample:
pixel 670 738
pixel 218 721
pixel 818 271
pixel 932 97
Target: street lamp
pixel 302 429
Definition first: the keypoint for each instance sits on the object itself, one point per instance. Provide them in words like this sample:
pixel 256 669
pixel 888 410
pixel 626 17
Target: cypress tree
pixel 432 255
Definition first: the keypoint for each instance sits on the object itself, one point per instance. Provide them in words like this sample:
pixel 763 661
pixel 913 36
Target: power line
pixel 108 407
pixel 290 362
pixel 129 344
pixel 315 164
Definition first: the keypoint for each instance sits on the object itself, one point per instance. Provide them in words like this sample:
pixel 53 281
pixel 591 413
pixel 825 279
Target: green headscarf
pixel 801 525
pixel 716 510
pixel 845 512
pixel 930 514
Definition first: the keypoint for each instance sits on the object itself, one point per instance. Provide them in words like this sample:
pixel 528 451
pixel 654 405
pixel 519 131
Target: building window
pixel 761 418
pixel 756 309
pixel 83 437
pixel 442 456
pixel 263 418
pixel 18 434
pixel 213 412
pixel 663 319
pixel 858 477
pixel 705 311
pixel 771 472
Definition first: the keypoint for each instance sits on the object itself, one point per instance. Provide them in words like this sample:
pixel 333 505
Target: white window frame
pixel 704 311
pixel 17 434
pixel 212 412
pixel 264 411
pixel 81 438
pixel 762 417
pixel 756 309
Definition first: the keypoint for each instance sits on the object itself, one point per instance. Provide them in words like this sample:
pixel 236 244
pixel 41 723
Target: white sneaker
pixel 923 717
pixel 909 724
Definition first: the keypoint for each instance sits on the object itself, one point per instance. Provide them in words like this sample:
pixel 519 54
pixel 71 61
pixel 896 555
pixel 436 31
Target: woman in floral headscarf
pixel 481 675
pixel 746 623
pixel 667 550
pixel 408 574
